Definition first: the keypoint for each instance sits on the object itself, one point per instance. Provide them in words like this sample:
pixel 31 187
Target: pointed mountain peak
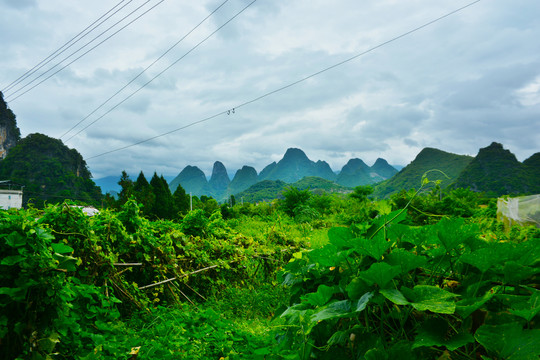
pixel 355 165
pixel 219 170
pixel 380 162
pixel 219 181
pixel 294 153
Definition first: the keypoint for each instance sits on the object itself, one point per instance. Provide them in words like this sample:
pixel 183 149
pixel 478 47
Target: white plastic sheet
pixel 524 210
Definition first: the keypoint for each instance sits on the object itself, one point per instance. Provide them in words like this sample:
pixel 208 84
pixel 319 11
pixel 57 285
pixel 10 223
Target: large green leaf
pixel 374 247
pixel 12 260
pixel 527 309
pixel 362 302
pixel 514 272
pixel 342 308
pixel 15 240
pixel 433 332
pixel 380 274
pixel 469 305
pixel 333 310
pixel 482 259
pixel 510 341
pixel 451 232
pixel 395 296
pixel 405 260
pixel 340 236
pixel 432 298
pixel 321 296
pixel 62 248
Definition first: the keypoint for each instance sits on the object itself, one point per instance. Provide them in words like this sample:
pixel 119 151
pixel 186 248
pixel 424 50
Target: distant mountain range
pixel 494 170
pixel 294 166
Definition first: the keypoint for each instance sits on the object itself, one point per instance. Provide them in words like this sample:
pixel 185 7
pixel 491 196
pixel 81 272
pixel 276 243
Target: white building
pixel 10 199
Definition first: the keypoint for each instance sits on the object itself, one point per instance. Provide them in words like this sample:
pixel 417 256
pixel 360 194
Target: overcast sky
pixel 458 84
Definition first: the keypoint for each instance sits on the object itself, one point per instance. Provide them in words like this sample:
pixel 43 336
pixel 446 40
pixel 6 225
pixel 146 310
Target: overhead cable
pixel 163 71
pixel 232 110
pixel 81 35
pixel 143 71
pixel 86 52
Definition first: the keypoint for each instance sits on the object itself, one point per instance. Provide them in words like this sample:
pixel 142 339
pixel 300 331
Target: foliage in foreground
pixel 383 287
pixel 69 284
pixel 393 291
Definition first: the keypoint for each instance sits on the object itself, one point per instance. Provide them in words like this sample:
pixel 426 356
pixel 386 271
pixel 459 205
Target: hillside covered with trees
pixel 49 171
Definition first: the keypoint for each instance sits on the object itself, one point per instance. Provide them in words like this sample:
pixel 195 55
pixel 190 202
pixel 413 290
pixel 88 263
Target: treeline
pixel 156 199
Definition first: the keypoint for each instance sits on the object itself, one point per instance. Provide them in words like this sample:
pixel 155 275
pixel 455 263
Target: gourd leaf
pixel 432 298
pixel 62 248
pixel 515 273
pixel 395 296
pixel 483 258
pixel 374 247
pixel 342 308
pixel 334 310
pixel 433 332
pixel 380 274
pixel 340 236
pixel 405 260
pixel 510 341
pixel 469 305
pixel 362 302
pixel 321 296
pixel 15 240
pixel 528 309
pixel 450 232
pixel 11 260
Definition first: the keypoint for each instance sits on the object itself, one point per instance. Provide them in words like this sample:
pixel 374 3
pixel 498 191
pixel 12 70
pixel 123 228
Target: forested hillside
pixel 442 166
pixel 49 171
pixel 496 171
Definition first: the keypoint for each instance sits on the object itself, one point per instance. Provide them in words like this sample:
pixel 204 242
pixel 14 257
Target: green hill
pixel 294 166
pixel 354 173
pixel 243 179
pixel 497 172
pixel 192 180
pixel 317 184
pixel 49 171
pixel 266 190
pixel 410 177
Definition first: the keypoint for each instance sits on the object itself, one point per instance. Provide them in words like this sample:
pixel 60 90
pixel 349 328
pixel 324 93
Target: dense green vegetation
pixel 422 275
pixel 449 166
pixel 497 172
pixel 49 171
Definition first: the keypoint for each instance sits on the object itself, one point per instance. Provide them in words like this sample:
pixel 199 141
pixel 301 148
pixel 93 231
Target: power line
pixel 163 71
pixel 142 72
pixel 290 84
pixel 101 42
pixel 66 46
pixel 78 50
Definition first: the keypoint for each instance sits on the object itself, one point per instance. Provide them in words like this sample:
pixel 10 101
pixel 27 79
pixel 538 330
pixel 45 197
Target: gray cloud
pixel 458 85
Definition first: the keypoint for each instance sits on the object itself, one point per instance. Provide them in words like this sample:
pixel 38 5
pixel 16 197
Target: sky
pixel 456 84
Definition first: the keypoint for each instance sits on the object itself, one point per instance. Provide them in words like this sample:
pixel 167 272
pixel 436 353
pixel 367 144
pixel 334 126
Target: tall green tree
pixel 144 193
pixel 181 200
pixel 294 198
pixel 163 204
pixel 361 192
pixel 127 188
